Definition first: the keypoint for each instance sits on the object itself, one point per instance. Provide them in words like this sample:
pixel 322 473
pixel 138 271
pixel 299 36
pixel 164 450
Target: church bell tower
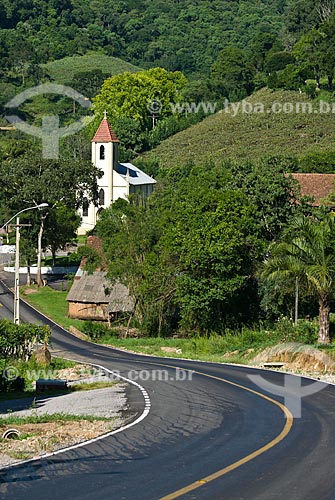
pixel 105 152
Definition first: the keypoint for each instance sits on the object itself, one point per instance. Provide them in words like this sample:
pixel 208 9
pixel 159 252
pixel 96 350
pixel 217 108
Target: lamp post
pixel 17 259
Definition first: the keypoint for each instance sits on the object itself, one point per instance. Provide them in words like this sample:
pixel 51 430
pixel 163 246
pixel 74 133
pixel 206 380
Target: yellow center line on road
pixel 281 436
pixel 204 480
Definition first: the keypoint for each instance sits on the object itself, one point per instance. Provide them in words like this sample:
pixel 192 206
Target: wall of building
pixel 80 310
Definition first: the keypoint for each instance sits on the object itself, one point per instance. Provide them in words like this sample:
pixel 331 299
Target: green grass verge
pixel 52 303
pixel 250 136
pixel 217 348
pixel 55 417
pixel 235 347
pixel 63 70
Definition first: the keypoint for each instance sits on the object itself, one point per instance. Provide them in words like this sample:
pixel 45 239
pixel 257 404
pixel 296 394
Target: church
pixel 119 180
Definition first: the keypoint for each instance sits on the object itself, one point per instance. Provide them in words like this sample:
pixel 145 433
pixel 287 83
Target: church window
pixel 102 152
pixel 101 197
pixel 85 207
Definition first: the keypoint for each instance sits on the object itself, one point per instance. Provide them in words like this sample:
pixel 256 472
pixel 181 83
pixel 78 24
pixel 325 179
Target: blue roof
pixel 136 177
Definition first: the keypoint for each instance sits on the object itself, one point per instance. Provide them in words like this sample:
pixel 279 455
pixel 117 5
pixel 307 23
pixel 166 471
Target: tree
pixel 139 95
pixel 309 49
pixel 63 223
pixel 89 83
pixel 261 45
pixel 328 50
pixel 300 17
pixel 130 232
pixel 306 251
pixel 214 242
pixel 27 181
pixel 271 190
pixel 325 9
pixel 232 74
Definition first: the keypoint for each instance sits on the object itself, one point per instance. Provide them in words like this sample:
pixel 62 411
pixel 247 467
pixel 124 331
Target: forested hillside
pixel 185 34
pixel 225 49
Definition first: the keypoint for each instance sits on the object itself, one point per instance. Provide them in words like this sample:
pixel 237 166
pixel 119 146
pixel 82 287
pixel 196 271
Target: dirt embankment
pixel 300 359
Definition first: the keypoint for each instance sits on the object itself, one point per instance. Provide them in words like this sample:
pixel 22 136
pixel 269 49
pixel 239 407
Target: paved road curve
pixel 194 429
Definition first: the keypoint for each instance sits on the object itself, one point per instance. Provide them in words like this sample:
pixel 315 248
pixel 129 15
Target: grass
pixel 250 135
pixel 230 346
pixel 45 419
pixel 211 348
pixel 52 303
pixel 63 70
pixel 92 386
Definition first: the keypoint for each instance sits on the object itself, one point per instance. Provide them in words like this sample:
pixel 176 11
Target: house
pixel 94 297
pixel 119 180
pixel 319 186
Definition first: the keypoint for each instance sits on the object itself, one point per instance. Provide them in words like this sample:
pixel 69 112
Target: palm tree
pixel 307 251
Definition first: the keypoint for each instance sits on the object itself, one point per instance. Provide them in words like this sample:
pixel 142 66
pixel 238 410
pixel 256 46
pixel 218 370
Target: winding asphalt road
pixel 214 436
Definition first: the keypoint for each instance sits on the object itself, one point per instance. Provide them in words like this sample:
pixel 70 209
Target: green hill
pixel 251 135
pixel 63 70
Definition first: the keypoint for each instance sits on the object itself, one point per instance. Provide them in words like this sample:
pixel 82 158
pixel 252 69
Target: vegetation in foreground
pixel 54 417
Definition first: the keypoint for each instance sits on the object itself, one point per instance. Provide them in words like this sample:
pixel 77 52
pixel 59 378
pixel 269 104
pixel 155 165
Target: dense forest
pixel 177 35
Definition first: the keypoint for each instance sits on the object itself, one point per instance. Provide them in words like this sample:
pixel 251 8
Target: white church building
pixel 119 180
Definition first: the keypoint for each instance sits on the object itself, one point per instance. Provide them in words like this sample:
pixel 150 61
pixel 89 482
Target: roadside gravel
pixel 108 402
pixel 42 438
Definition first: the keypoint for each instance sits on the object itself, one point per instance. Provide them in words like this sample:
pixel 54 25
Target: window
pixel 85 207
pixel 101 197
pixel 102 152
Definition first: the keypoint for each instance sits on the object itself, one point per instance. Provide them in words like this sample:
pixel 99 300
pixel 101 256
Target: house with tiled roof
pixel 119 180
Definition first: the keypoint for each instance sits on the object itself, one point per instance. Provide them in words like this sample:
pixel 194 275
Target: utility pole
pixel 17 275
pixel 17 272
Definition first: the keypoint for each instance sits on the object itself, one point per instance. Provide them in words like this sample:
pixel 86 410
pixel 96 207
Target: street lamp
pixel 17 259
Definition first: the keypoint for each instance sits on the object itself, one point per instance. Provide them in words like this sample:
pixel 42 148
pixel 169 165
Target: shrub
pixel 95 330
pixel 17 341
pixel 305 331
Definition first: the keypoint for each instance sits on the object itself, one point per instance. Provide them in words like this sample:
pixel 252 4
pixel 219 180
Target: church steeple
pixel 105 133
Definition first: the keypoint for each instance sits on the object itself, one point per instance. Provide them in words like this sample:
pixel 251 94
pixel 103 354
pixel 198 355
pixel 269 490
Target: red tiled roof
pixel 105 133
pixel 317 185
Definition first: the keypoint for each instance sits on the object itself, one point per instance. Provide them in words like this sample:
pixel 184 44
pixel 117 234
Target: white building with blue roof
pixel 119 180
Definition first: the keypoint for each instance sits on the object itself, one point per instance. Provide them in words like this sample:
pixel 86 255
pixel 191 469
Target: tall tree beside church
pixel 28 181
pixel 140 95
